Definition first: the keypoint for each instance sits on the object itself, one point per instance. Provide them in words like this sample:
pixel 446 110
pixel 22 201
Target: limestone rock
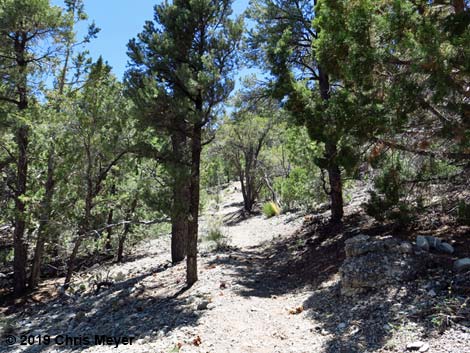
pixel 202 305
pixel 406 247
pixel 418 346
pixel 434 242
pixel 445 248
pixel 428 242
pixel 462 264
pixel 372 263
pixel 422 243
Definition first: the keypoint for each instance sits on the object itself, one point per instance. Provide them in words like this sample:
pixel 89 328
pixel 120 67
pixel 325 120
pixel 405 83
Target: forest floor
pixel 273 288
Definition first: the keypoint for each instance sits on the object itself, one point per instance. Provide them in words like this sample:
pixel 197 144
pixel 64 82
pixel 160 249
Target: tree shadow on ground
pixel 288 263
pixel 389 318
pixel 139 307
pixel 308 261
pixel 238 216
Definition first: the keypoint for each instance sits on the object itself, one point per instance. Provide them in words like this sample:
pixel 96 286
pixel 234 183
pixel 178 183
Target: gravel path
pixel 246 301
pixel 228 310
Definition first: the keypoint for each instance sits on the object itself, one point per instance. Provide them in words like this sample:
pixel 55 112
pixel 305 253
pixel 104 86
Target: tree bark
pixel 22 140
pixel 127 229
pixel 109 232
pixel 85 224
pixel 191 258
pixel 180 209
pixel 20 258
pixel 336 187
pixel 459 6
pixel 334 172
pixel 46 208
pixel 71 263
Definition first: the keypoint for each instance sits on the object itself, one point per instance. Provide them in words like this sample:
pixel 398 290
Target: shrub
pixel 300 190
pixel 270 209
pixel 216 235
pixel 389 199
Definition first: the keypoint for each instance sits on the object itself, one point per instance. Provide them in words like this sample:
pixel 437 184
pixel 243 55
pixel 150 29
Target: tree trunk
pixel 109 231
pixel 107 245
pixel 180 209
pixel 127 229
pixel 459 6
pixel 22 137
pixel 120 251
pixel 85 226
pixel 336 187
pixel 46 208
pixel 20 257
pixel 179 228
pixel 71 263
pixel 191 258
pixel 334 173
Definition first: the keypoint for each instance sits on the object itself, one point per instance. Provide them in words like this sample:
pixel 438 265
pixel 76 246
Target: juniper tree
pixel 182 64
pixel 57 95
pixel 29 35
pixel 409 60
pixel 283 40
pixel 286 38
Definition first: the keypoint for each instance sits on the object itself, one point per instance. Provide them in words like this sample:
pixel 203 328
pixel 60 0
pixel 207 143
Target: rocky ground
pixel 275 287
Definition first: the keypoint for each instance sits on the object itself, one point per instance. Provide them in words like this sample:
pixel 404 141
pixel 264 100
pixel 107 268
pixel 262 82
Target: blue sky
pixel 121 20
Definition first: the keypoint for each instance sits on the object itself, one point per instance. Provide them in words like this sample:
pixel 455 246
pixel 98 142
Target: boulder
pixel 428 242
pixel 462 264
pixel 445 248
pixel 434 242
pixel 372 263
pixel 422 243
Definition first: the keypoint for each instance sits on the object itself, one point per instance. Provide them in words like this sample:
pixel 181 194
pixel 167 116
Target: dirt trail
pixel 236 306
pixel 271 291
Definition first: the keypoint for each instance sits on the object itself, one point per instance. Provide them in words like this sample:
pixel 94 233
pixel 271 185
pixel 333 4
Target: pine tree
pixel 284 39
pixel 182 66
pixel 410 61
pixel 24 26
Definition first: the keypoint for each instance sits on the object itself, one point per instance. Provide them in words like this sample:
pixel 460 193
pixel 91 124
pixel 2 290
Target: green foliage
pixel 271 209
pixel 403 184
pixel 300 187
pixel 216 235
pixel 391 198
pixel 297 190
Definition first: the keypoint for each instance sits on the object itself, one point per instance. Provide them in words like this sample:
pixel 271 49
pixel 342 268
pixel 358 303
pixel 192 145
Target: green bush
pixel 301 189
pixel 270 209
pixel 388 201
pixel 216 235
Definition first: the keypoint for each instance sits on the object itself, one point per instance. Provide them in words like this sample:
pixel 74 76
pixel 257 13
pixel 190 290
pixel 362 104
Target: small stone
pixel 424 348
pixel 462 264
pixel 355 330
pixel 422 243
pixel 416 346
pixel 433 242
pixel 341 326
pixel 432 293
pixel 202 305
pixel 445 248
pixel 406 248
